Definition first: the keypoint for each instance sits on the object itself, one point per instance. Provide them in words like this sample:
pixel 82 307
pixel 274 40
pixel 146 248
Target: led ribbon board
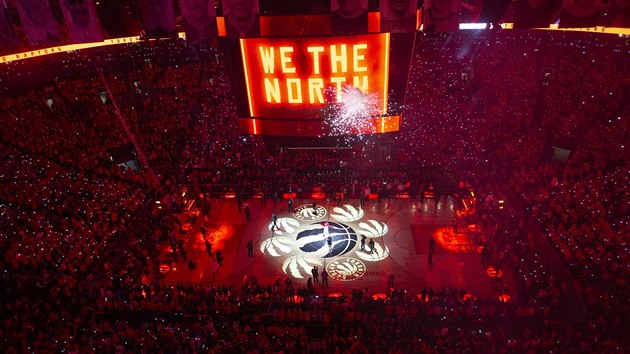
pixel 298 77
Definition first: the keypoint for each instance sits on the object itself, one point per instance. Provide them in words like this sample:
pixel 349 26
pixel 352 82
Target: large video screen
pixel 297 78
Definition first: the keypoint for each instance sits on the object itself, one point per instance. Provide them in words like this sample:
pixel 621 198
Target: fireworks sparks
pixel 353 114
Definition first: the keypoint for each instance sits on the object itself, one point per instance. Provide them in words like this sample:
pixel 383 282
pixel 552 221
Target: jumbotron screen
pixel 298 77
pixel 317 86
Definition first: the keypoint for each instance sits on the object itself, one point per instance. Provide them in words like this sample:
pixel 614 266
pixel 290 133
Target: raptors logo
pixel 284 226
pixel 347 213
pixel 346 269
pixel 300 266
pixel 314 240
pixel 315 236
pixel 307 212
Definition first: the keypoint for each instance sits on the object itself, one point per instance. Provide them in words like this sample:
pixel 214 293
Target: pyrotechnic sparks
pixel 353 115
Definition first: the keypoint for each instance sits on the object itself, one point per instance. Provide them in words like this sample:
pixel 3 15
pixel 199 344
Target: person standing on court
pixel 248 214
pixel 324 275
pixel 263 199
pixel 274 220
pixel 250 248
pixel 208 246
pixel 315 273
pixel 219 256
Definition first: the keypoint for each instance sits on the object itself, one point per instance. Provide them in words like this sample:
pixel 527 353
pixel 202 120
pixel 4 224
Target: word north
pixel 345 64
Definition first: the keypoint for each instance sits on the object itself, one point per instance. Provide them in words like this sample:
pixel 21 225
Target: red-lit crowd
pixel 79 232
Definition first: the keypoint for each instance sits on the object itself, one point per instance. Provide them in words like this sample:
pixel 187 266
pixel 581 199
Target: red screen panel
pixel 310 127
pixel 300 25
pixel 296 78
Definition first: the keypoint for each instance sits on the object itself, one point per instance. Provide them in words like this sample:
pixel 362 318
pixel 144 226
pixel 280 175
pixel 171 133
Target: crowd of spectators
pixel 79 234
pixel 593 185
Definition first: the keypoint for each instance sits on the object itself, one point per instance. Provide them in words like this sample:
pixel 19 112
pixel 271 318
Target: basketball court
pixel 398 229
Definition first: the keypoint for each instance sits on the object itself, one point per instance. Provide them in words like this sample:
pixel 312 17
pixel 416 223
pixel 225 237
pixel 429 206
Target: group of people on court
pixel 316 274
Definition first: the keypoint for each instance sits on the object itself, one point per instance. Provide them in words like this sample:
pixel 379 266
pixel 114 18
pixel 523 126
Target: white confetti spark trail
pixel 353 115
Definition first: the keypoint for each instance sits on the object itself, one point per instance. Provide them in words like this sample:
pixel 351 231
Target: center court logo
pixel 314 239
pixel 302 241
